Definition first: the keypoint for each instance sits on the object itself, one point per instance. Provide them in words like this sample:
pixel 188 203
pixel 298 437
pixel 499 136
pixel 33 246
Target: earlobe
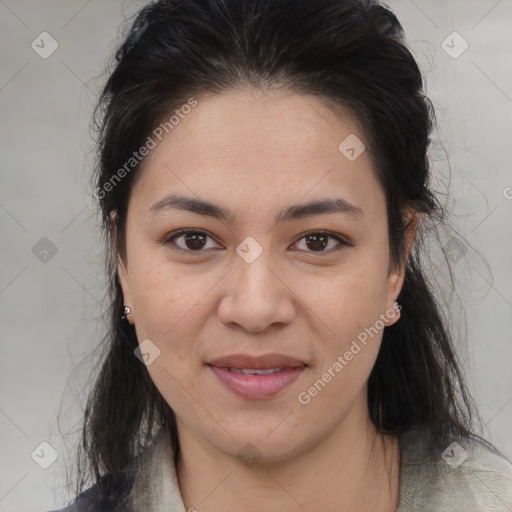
pixel 393 313
pixel 395 282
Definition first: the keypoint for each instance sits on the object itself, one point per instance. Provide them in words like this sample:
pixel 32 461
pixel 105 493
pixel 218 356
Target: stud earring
pixel 126 311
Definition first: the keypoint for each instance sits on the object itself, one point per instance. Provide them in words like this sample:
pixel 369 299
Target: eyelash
pixel 169 241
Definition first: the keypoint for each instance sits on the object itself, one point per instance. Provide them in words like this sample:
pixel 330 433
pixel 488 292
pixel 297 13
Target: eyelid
pixel 176 234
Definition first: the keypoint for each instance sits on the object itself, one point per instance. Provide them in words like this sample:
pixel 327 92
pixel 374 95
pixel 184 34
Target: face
pixel 286 267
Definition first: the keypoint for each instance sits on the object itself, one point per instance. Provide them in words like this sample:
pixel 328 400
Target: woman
pixel 275 344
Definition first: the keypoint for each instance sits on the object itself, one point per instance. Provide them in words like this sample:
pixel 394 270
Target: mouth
pixel 254 371
pixel 256 377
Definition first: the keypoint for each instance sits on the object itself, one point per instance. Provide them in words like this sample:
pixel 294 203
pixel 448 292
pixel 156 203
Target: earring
pixel 126 311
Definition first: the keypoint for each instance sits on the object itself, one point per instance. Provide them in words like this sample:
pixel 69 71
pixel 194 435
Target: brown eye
pixel 318 241
pixel 191 240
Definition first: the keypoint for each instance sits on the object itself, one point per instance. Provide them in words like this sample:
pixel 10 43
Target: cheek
pixel 346 299
pixel 349 303
pixel 350 306
pixel 171 304
pixel 169 309
pixel 164 295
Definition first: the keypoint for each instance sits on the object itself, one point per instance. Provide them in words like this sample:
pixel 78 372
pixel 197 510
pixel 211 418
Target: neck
pixel 355 468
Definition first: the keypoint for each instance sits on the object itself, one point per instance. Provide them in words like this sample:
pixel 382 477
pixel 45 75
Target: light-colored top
pixel 465 477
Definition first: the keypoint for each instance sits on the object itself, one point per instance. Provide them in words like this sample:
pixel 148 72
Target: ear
pixel 396 276
pixel 122 270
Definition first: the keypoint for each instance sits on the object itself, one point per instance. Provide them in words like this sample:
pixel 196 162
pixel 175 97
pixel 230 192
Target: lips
pixel 256 377
pixel 264 362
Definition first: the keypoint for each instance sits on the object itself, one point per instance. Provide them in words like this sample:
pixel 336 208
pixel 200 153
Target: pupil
pixel 323 239
pixel 194 240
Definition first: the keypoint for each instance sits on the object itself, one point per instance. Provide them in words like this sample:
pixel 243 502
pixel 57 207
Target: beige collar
pixel 156 486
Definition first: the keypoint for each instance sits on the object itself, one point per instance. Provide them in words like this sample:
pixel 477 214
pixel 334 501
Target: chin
pixel 256 446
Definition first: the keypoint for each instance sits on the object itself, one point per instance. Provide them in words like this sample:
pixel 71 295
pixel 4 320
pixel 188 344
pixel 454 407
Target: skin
pixel 255 153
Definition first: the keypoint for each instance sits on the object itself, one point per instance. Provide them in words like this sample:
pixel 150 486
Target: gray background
pixel 50 310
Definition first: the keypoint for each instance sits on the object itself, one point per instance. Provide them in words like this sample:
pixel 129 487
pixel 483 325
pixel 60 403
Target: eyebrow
pixel 200 207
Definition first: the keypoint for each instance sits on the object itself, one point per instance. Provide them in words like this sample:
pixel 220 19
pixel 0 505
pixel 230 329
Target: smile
pixel 256 384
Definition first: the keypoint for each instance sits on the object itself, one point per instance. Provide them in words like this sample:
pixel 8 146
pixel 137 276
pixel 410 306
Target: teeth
pixel 251 371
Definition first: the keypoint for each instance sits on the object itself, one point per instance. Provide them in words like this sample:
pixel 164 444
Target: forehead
pixel 275 121
pixel 248 145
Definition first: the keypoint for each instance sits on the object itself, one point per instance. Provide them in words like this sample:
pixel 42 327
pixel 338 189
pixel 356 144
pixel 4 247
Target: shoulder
pixel 114 491
pixel 108 497
pixel 465 475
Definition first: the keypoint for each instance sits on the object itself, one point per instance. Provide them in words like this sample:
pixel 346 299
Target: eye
pixel 193 240
pixel 317 241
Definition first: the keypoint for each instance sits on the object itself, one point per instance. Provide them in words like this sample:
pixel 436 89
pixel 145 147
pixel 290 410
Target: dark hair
pixel 350 53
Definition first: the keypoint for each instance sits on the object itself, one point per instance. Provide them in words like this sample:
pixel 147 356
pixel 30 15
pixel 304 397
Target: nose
pixel 257 298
